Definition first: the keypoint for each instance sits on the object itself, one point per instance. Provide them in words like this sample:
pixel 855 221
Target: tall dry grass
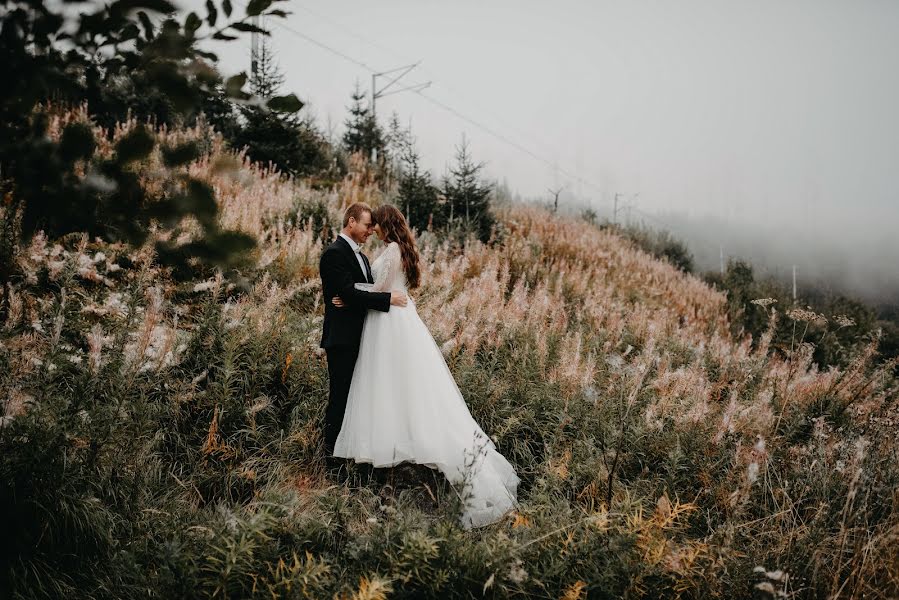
pixel 162 438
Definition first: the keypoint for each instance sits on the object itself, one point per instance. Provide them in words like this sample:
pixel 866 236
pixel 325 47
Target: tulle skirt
pixel 404 406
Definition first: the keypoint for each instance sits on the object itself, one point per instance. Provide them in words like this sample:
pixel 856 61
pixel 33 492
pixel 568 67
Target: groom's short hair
pixel 355 211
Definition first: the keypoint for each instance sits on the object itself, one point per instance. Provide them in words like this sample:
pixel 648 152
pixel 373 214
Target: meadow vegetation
pixel 160 431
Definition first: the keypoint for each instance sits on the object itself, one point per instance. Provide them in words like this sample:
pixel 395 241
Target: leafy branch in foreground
pixel 57 183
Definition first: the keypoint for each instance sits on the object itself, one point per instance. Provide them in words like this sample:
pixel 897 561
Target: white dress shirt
pixel 358 252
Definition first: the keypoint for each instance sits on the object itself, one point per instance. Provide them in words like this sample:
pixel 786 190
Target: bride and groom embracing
pixel 392 398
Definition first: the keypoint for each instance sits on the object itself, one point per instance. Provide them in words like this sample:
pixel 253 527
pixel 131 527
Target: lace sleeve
pixel 390 266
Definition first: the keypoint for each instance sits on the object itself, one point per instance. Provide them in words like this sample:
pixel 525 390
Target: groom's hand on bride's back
pixel 398 299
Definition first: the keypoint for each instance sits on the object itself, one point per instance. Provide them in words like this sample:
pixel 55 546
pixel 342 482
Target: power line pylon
pixel 403 71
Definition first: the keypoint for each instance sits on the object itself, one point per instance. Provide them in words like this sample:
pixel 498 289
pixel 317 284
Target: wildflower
pixel 517 574
pixel 764 302
pixel 15 406
pixel 202 287
pixel 752 472
pixel 615 360
pixel 759 447
pixel 260 403
pixel 765 587
pixel 114 304
pixel 809 316
pixel 100 182
pixel 843 321
pixel 448 346
pixel 200 377
pixel 95 340
pixel 55 268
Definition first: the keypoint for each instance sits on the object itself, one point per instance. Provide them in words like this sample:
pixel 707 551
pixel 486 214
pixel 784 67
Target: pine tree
pixel 266 79
pixel 418 197
pixel 289 143
pixel 468 198
pixel 363 134
pixel 398 141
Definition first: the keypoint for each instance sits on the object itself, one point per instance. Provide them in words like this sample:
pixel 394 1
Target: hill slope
pixel 160 437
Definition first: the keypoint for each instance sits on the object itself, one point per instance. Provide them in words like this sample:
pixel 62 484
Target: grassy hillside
pixel 160 434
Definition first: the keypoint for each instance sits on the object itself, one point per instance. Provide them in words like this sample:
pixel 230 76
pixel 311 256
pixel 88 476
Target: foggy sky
pixel 773 115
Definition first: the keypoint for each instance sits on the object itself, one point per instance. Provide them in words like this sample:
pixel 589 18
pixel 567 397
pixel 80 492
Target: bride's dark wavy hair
pixel 395 228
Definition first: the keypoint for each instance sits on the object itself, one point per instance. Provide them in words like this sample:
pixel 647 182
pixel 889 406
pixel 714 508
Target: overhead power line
pixel 392 52
pixel 458 114
pixel 442 105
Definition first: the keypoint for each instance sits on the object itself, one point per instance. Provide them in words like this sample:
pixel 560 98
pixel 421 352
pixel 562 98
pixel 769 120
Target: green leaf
pixel 160 6
pixel 137 144
pixel 77 142
pixel 211 56
pixel 130 32
pixel 255 7
pixel 223 36
pixel 180 154
pixel 147 23
pixel 212 13
pixel 226 6
pixel 234 85
pixel 278 13
pixel 222 248
pixel 286 104
pixel 192 23
pixel 171 27
pixel 200 201
pixel 174 84
pixel 248 28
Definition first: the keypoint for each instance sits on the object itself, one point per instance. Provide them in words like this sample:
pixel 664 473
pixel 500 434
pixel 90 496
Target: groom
pixel 342 265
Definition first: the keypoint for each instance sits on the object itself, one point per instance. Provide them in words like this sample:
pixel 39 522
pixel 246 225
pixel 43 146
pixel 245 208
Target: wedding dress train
pixel 404 406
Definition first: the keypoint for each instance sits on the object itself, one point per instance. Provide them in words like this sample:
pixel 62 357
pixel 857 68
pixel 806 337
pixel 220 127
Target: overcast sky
pixel 783 112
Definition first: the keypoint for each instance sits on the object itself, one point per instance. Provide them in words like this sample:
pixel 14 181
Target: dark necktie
pixel 368 276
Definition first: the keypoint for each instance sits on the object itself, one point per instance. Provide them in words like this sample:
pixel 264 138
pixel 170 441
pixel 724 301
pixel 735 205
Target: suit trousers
pixel 341 363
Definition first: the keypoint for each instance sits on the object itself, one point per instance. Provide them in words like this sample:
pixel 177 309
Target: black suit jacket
pixel 339 271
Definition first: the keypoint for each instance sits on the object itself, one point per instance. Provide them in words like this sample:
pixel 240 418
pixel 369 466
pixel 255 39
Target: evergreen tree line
pixel 135 60
pixel 459 203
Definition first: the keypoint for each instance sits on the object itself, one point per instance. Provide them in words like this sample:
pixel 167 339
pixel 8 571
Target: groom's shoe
pixel 336 468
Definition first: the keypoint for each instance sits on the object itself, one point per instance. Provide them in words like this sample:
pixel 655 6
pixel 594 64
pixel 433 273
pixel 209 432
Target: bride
pixel 403 403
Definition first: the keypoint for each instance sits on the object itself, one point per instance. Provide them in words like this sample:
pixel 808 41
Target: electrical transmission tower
pixel 255 44
pixel 380 93
pixel 625 206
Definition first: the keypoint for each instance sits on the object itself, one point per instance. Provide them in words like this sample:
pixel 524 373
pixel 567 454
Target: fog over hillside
pixel 774 122
pixel 862 261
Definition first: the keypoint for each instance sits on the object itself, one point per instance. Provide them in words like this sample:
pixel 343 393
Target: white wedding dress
pixel 404 406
